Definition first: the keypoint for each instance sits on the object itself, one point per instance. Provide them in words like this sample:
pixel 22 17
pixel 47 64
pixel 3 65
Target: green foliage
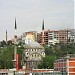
pixel 54 52
pixel 3 43
pixel 9 43
pixel 20 51
pixel 47 62
pixel 7 55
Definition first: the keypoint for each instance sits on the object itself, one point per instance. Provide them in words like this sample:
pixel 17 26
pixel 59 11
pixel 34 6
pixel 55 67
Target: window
pixel 35 55
pixel 32 55
pixel 27 53
pixel 32 49
pixel 38 55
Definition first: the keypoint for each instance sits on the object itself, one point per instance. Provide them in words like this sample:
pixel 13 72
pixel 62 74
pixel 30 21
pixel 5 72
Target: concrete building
pixel 29 36
pixel 42 37
pixel 53 37
pixel 45 37
pixel 63 36
pixel 39 37
pixel 65 65
pixel 32 55
pixel 71 35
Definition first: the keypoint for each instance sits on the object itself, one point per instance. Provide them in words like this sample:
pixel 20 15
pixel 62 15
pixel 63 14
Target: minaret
pixel 6 36
pixel 43 33
pixel 15 48
pixel 15 42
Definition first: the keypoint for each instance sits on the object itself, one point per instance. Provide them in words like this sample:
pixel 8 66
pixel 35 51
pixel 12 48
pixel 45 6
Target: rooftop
pixel 33 44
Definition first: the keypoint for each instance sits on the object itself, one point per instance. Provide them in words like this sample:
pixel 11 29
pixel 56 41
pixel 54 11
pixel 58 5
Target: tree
pixel 9 42
pixel 20 51
pixel 48 50
pixel 3 43
pixel 47 62
pixel 6 57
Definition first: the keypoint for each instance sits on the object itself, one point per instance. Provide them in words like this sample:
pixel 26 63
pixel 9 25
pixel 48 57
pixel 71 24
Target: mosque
pixel 33 53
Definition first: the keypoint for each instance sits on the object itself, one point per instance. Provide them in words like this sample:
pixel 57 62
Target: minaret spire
pixel 15 43
pixel 43 33
pixel 43 25
pixel 15 48
pixel 6 36
pixel 15 24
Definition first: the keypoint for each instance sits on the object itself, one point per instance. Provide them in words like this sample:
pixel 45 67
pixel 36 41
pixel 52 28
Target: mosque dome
pixel 33 44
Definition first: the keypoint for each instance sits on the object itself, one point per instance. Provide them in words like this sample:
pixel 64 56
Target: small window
pixel 35 49
pixel 35 55
pixel 38 55
pixel 27 53
pixel 32 55
pixel 32 49
pixel 28 50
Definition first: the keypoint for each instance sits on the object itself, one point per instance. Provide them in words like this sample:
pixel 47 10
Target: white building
pixel 53 37
pixel 71 35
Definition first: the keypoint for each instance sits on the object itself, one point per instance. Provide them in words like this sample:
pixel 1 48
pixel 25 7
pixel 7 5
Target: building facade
pixel 65 65
pixel 40 39
pixel 32 55
pixel 53 37
pixel 63 36
pixel 50 36
pixel 71 35
pixel 29 36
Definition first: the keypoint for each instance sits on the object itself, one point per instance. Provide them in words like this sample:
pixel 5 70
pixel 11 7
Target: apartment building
pixel 71 35
pixel 50 36
pixel 40 37
pixel 63 36
pixel 53 37
pixel 65 65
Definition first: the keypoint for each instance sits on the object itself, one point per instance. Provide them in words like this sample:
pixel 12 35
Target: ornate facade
pixel 32 55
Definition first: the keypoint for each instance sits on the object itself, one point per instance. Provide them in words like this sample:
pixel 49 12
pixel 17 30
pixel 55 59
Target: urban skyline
pixel 30 14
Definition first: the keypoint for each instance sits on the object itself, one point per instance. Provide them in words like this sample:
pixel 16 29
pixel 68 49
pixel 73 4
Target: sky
pixel 29 14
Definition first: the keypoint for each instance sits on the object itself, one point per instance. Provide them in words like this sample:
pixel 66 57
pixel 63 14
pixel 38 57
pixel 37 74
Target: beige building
pixel 29 36
pixel 32 55
pixel 63 36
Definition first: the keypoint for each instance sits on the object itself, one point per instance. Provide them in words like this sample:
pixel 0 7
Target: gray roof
pixel 33 44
